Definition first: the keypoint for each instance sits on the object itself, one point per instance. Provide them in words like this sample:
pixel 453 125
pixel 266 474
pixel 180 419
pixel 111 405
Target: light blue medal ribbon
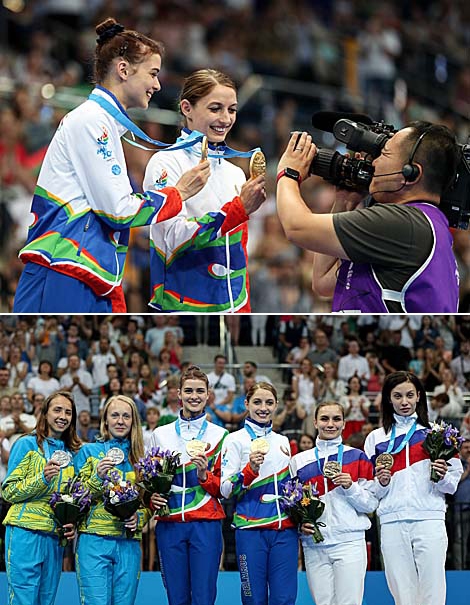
pixel 193 137
pixel 202 430
pixel 252 433
pixel 406 439
pixel 339 458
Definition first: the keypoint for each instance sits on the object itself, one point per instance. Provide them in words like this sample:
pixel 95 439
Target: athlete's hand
pixel 131 523
pixel 201 463
pixel 383 475
pixel 253 194
pixel 158 501
pixel 343 479
pixel 103 466
pixel 193 180
pixel 51 470
pixel 440 466
pixel 69 531
pixel 256 460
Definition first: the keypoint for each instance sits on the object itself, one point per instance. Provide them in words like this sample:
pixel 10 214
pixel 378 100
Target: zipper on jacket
pixel 85 229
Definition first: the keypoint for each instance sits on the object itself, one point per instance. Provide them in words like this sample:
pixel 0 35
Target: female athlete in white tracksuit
pixel 199 259
pixel 266 539
pixel 411 507
pixel 336 567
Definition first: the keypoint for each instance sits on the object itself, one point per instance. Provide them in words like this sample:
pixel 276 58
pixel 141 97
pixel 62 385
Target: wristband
pixel 291 174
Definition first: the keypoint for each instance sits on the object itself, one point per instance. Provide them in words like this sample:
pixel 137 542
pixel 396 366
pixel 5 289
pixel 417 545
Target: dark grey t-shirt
pixel 395 239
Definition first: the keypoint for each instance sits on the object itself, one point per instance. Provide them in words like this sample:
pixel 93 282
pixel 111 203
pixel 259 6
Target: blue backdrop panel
pixel 151 589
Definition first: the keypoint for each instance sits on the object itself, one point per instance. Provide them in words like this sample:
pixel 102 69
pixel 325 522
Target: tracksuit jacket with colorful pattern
pixel 198 260
pixel 83 204
pixel 191 499
pixel 26 488
pixel 98 520
pixel 256 494
pixel 345 514
pixel 410 495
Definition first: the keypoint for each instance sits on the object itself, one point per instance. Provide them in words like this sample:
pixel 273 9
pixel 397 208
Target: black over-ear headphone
pixel 411 171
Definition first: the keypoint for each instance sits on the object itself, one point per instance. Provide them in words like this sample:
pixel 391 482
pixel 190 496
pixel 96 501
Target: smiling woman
pixel 39 463
pixel 199 258
pixel 83 204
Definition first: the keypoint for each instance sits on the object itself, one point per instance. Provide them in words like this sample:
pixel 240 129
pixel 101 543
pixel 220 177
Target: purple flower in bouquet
pixel 302 504
pixel 70 505
pixel 120 497
pixel 442 442
pixel 156 471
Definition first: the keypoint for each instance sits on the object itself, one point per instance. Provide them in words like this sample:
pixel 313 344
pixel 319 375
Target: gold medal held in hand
pixel 260 445
pixel 385 460
pixel 257 164
pixel 204 149
pixel 331 469
pixel 195 447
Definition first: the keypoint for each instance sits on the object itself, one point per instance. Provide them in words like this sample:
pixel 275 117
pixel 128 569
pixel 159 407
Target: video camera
pixel 360 133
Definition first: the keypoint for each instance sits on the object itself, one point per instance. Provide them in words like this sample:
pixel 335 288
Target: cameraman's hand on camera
pixel 300 156
pixel 253 194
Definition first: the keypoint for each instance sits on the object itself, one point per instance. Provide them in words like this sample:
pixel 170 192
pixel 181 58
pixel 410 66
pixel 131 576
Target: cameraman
pixel 395 256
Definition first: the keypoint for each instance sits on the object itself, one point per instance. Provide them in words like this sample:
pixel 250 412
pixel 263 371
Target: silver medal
pixel 116 454
pixel 62 458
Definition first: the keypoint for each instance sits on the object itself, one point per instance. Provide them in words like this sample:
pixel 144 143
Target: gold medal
pixel 385 460
pixel 196 447
pixel 116 454
pixel 62 458
pixel 331 469
pixel 257 164
pixel 260 445
pixel 204 149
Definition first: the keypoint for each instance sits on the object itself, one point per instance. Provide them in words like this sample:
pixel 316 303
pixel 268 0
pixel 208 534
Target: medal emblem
pixel 385 460
pixel 204 149
pixel 260 445
pixel 331 469
pixel 257 164
pixel 62 458
pixel 116 454
pixel 196 447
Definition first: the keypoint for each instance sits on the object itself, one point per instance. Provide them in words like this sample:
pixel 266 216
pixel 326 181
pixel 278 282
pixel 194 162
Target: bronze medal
pixel 196 447
pixel 204 149
pixel 62 458
pixel 331 469
pixel 385 460
pixel 257 164
pixel 116 454
pixel 260 445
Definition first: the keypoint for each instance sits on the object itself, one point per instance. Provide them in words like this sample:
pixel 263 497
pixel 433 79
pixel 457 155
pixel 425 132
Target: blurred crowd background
pixel 308 358
pixel 399 61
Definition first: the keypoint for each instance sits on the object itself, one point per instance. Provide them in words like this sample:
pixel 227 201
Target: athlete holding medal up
pixel 189 539
pixel 198 260
pixel 411 507
pixel 343 475
pixel 255 468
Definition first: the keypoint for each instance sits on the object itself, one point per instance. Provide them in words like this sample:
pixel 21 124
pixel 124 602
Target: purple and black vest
pixel 433 288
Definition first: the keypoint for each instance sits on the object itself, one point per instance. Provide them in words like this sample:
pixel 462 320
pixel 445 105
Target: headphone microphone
pixel 409 171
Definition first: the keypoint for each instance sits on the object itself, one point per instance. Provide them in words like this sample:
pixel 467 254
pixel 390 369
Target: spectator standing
pixel 5 388
pixel 395 356
pixel 460 366
pixel 250 370
pixel 321 351
pixel 356 407
pixel 222 382
pixel 98 359
pixel 44 382
pixel 452 412
pixel 331 387
pixel 78 382
pixel 353 364
pixel 18 422
pixel 289 419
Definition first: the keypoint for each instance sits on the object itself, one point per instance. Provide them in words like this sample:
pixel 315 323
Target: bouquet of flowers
pixel 442 442
pixel 302 504
pixel 120 497
pixel 70 505
pixel 156 471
